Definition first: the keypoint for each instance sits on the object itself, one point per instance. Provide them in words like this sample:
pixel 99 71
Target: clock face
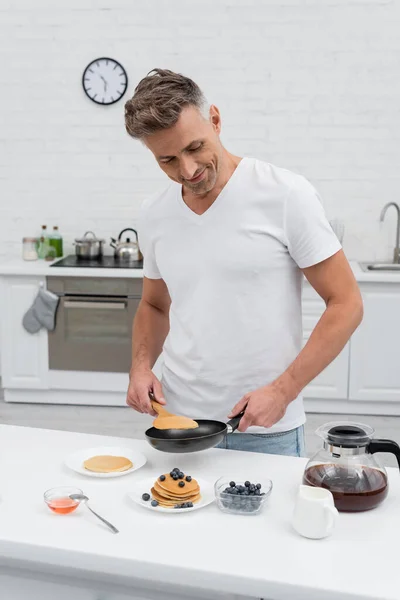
pixel 105 81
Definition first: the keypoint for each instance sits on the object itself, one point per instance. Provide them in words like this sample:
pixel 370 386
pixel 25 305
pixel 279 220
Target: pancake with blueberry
pixel 176 490
pixel 176 483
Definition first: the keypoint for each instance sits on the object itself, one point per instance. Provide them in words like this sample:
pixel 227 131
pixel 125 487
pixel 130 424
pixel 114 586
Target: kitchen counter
pixel 202 554
pixel 42 268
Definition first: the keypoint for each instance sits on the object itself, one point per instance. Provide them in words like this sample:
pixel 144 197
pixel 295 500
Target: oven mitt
pixel 42 312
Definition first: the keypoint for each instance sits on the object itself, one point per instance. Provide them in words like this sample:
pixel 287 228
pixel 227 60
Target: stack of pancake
pixel 170 494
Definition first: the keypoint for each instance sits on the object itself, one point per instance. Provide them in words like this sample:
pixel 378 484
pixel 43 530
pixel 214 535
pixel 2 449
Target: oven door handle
pixel 91 305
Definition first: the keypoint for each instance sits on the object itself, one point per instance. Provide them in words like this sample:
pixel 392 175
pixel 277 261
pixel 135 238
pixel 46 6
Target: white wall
pixel 311 85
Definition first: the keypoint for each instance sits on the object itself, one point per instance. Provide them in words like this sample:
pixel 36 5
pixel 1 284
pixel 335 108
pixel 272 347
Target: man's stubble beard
pixel 204 187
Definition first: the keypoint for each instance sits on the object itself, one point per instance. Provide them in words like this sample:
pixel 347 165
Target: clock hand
pixel 105 83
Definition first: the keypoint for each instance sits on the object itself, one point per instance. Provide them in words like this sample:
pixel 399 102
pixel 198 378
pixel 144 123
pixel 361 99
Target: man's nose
pixel 188 167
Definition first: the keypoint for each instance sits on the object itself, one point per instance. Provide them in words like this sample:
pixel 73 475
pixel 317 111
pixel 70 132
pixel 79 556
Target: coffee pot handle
pixel 385 446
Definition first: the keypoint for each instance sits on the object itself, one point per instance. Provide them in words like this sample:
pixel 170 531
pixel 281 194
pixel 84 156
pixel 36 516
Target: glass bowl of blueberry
pixel 241 497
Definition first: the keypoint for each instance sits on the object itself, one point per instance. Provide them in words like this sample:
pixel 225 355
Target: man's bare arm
pixel 151 323
pixel 334 281
pixel 150 328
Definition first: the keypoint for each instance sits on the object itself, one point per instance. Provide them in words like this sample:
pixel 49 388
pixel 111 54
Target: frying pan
pixel 207 435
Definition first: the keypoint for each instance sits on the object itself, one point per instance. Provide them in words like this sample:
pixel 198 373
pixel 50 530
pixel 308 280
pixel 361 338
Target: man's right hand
pixel 141 382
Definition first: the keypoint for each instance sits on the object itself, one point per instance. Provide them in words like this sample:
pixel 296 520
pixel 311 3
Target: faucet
pixel 396 253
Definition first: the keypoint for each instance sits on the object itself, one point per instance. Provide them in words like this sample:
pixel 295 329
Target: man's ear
pixel 215 118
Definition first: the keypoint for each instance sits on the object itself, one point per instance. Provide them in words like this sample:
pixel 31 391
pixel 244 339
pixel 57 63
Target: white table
pixel 202 554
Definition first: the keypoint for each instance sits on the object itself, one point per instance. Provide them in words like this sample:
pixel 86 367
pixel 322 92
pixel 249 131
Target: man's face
pixel 190 152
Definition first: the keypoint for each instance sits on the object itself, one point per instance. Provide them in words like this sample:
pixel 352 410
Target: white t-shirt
pixel 233 275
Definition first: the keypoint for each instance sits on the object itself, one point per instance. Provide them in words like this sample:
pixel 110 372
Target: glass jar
pixel 55 240
pixel 29 251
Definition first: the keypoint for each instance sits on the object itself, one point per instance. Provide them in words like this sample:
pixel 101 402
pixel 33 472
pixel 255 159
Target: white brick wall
pixel 311 85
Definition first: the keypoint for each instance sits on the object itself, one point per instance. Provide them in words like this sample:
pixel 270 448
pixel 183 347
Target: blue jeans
pixel 290 443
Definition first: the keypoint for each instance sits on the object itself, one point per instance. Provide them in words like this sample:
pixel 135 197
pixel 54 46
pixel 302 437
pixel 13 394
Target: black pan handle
pixel 233 424
pixel 384 446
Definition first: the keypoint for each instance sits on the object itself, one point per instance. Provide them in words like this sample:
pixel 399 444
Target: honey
pixel 62 506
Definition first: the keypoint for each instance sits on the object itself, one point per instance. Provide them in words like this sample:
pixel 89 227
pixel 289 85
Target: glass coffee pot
pixel 347 467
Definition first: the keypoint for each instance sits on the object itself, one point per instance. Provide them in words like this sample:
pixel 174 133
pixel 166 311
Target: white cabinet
pixel 363 379
pixel 24 356
pixel 333 381
pixel 180 594
pixel 21 588
pixel 375 346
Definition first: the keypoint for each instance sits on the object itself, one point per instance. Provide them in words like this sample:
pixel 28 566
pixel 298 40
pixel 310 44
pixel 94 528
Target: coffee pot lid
pixel 346 434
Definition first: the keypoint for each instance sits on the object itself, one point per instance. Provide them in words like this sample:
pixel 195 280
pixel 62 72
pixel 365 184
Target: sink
pixel 380 267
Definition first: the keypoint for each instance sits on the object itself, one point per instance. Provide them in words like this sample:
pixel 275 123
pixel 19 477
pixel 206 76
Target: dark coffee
pixel 354 488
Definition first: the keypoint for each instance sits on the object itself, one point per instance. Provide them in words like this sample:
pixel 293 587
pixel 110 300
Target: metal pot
pixel 126 250
pixel 89 248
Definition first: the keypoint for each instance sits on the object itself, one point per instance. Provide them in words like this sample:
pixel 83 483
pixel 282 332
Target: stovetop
pixel 105 262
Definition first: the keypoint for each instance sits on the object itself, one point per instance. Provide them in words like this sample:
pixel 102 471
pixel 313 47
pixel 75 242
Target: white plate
pixel 75 461
pixel 144 486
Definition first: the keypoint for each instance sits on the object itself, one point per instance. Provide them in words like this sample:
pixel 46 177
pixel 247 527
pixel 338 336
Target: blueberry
pixel 154 503
pixel 181 484
pixel 162 477
pixel 257 492
pixel 247 483
pixel 189 504
pixel 146 497
pixel 172 473
pixel 234 491
pixel 232 484
pixel 259 486
pixel 252 487
pixel 188 479
pixel 176 470
pixel 175 477
pixel 181 475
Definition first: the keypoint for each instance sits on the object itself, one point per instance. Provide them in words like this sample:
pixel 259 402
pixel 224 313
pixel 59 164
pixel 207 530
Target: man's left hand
pixel 264 407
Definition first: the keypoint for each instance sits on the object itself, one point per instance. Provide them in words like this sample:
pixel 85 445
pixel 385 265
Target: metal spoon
pixel 83 498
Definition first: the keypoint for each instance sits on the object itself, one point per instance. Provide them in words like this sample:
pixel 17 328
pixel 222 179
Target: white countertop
pixel 260 556
pixel 42 268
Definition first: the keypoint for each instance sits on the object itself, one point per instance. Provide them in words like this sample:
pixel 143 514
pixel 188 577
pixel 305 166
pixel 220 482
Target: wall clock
pixel 105 81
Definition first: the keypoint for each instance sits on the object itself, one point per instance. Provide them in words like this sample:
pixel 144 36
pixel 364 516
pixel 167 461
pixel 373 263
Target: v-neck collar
pixel 194 216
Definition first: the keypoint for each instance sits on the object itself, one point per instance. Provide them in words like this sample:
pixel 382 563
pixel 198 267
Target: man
pixel 225 248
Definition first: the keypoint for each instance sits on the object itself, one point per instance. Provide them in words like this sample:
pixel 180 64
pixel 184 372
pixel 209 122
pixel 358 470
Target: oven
pixel 93 330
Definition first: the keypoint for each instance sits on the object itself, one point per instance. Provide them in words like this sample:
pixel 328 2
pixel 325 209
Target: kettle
pixel 126 250
pixel 347 467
